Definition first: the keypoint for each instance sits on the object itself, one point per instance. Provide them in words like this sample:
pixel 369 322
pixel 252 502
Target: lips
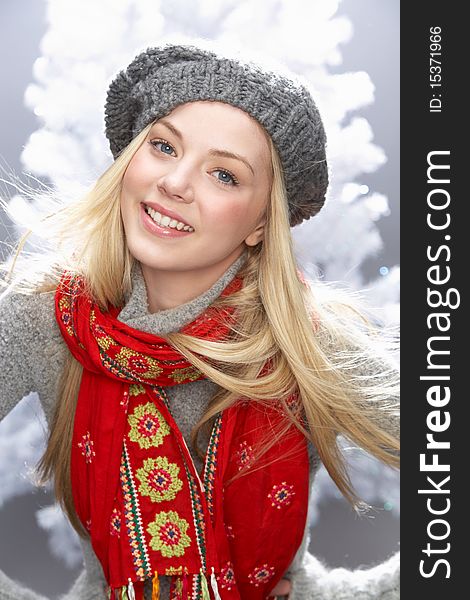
pixel 169 213
pixel 166 233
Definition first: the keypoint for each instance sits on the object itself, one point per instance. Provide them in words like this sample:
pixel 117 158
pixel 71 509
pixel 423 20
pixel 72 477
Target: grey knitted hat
pixel 161 78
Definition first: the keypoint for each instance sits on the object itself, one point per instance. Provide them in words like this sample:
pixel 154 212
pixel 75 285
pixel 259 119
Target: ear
pixel 257 235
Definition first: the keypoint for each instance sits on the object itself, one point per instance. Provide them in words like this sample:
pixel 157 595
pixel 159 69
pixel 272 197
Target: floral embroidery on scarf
pixel 103 339
pixel 135 389
pixel 159 479
pixel 244 455
pixel 148 426
pixel 86 446
pixel 281 495
pixel 115 525
pixel 66 315
pixel 125 400
pixel 168 533
pixel 186 374
pixel 261 575
pixel 138 363
pixel 226 577
pixel 174 570
pixel 229 532
pixel 292 401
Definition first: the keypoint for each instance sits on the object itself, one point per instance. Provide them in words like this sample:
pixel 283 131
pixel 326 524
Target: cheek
pixel 137 174
pixel 229 208
pixel 230 221
pixel 236 213
pixel 230 216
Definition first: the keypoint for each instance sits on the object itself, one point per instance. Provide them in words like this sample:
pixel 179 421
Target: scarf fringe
pixel 181 586
pixel 130 590
pixel 156 587
pixel 126 592
pixel 214 586
pixel 184 587
pixel 205 589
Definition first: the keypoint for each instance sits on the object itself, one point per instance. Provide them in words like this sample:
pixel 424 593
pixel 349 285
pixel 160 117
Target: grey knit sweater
pixel 32 356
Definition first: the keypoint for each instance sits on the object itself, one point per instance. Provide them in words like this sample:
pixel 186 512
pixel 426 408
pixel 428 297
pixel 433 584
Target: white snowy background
pixel 81 45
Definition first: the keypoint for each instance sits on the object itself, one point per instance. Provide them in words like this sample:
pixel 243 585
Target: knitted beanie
pixel 161 78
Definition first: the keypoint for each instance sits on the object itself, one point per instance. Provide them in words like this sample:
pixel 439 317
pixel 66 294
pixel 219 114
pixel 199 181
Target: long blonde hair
pixel 279 318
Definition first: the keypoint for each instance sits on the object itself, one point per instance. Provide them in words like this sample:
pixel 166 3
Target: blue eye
pixel 225 177
pixel 229 179
pixel 164 146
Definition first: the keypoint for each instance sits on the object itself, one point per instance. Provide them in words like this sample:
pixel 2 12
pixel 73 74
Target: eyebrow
pixel 212 151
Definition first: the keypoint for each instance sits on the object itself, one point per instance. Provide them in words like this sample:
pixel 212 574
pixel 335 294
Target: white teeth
pixel 156 216
pixel 165 221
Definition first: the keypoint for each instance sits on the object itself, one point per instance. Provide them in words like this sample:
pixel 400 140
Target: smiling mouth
pixel 165 221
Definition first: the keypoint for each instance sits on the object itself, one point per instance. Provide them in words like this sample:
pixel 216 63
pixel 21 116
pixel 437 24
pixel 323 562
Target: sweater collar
pixel 136 314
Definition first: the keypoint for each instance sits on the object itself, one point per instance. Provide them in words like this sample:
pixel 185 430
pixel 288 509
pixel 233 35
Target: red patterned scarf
pixel 135 486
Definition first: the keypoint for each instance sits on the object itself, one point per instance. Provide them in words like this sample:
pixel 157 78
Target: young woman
pixel 192 379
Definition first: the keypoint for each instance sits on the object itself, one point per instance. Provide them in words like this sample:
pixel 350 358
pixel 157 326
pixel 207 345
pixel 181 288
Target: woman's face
pixel 187 171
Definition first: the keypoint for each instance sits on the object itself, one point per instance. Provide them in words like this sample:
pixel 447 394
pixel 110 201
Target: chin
pixel 158 260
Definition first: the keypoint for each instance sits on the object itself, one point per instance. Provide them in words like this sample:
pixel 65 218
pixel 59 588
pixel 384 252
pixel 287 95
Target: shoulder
pixel 27 306
pixel 27 316
pixel 32 350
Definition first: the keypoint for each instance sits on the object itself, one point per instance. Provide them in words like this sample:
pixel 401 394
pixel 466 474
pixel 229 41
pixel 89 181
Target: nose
pixel 176 182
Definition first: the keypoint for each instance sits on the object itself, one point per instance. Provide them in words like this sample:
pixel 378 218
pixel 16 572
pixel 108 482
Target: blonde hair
pixel 279 319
